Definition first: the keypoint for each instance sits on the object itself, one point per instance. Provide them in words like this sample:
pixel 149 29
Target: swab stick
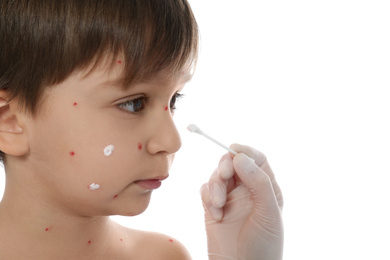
pixel 193 128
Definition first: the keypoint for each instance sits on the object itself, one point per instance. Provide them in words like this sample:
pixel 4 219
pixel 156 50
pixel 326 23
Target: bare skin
pixel 48 211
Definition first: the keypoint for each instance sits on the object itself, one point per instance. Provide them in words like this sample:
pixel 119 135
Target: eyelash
pixel 142 101
pixel 177 96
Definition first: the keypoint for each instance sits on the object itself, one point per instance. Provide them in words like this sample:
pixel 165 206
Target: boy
pixel 87 95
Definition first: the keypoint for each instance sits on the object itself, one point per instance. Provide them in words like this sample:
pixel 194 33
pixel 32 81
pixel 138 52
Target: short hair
pixel 43 41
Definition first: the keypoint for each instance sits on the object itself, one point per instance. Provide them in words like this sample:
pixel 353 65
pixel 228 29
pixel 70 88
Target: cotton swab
pixel 193 128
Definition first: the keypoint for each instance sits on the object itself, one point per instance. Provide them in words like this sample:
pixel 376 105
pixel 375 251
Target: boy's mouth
pixel 151 184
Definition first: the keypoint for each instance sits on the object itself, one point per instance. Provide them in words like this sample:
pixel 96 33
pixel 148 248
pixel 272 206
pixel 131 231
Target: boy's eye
pixel 134 106
pixel 174 99
pixel 138 104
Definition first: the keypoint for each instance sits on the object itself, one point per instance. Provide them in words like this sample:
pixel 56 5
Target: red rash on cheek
pixel 139 146
pixel 166 108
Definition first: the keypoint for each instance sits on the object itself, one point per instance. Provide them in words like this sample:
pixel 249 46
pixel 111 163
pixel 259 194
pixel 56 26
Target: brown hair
pixel 43 41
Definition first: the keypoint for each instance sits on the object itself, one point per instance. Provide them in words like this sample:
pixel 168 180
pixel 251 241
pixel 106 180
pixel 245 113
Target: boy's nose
pixel 164 136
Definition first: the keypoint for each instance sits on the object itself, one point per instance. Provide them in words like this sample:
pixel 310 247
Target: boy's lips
pixel 152 183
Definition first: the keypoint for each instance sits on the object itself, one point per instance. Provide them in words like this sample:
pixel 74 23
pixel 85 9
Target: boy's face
pixel 79 118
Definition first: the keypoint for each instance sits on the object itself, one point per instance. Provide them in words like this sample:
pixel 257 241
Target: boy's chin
pixel 132 210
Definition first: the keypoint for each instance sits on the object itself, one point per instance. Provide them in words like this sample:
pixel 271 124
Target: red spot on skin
pixel 121 239
pixel 139 146
pixel 75 104
pixel 166 108
pixel 48 228
pixel 89 242
pixel 71 153
pixel 115 196
pixel 119 61
pixel 171 240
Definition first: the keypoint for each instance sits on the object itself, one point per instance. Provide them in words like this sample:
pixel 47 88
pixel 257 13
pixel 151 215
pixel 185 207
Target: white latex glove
pixel 243 208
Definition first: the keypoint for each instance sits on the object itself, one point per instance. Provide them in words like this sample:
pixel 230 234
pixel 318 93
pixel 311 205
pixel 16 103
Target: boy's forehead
pixel 113 75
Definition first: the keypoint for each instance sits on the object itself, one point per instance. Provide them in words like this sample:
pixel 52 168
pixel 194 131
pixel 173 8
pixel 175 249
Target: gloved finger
pixel 223 181
pixel 218 188
pixel 259 184
pixel 225 168
pixel 258 156
pixel 226 172
pixel 261 161
pixel 213 212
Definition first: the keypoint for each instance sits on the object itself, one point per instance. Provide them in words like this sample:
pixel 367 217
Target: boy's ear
pixel 12 138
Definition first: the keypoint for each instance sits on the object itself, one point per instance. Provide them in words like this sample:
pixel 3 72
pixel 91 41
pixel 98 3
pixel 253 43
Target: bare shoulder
pixel 152 245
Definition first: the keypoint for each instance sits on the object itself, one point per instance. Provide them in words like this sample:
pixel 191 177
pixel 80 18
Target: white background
pixel 307 83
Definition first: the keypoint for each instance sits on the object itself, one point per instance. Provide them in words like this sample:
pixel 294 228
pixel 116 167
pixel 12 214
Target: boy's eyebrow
pixel 116 83
pixel 110 83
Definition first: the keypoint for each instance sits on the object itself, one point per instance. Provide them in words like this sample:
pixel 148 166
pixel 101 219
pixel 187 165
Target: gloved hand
pixel 243 207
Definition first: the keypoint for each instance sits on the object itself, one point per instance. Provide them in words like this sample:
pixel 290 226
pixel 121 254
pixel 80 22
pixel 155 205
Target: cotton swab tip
pixel 193 128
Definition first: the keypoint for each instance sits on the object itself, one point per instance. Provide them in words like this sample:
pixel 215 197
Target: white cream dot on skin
pixel 94 186
pixel 108 150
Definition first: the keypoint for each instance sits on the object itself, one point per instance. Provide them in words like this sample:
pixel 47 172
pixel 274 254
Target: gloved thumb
pixel 260 187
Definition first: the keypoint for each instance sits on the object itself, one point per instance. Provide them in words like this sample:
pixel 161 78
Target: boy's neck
pixel 29 226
